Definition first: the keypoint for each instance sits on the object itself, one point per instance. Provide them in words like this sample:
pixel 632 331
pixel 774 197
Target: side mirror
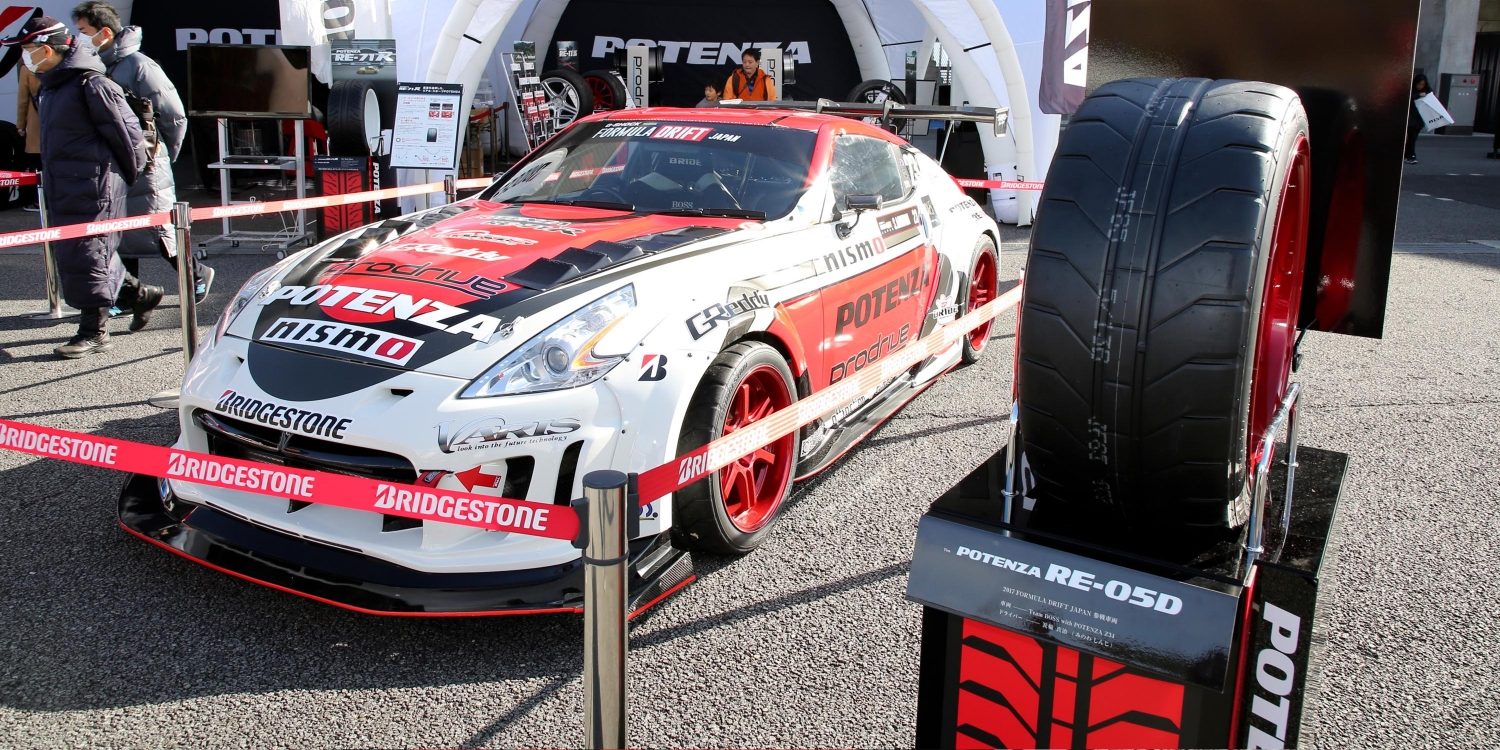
pixel 863 202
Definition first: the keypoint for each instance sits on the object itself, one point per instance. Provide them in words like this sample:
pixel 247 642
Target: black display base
pixel 1063 630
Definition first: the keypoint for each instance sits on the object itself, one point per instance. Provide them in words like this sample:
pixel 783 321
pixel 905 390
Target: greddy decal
pixel 477 235
pixel 491 431
pixel 539 225
pixel 361 342
pixel 472 284
pixel 701 323
pixel 282 417
pixel 430 313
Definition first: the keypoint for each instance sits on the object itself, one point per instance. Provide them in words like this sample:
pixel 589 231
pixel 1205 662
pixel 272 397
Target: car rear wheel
pixel 983 287
pixel 1161 299
pixel 733 510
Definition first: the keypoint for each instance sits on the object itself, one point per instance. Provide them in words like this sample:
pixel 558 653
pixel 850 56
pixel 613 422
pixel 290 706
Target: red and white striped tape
pixel 965 182
pixel 17 179
pixel 296 204
pixel 411 501
pixel 88 229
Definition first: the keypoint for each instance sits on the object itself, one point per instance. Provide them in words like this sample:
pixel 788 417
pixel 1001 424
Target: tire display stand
pixel 528 95
pixel 1041 629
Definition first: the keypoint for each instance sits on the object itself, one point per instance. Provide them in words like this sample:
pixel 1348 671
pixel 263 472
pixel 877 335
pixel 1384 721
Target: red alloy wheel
pixel 753 486
pixel 981 291
pixel 604 94
pixel 1281 300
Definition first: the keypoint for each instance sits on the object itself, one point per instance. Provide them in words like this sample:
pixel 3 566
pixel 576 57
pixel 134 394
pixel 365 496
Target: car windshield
pixel 706 168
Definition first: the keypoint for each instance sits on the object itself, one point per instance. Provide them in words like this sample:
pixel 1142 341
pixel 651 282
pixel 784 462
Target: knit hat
pixel 40 30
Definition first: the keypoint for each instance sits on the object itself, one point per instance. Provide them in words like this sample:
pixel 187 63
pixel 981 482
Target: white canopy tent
pixel 995 47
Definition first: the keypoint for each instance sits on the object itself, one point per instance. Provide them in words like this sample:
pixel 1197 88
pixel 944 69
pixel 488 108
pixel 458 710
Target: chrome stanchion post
pixel 49 262
pixel 450 188
pixel 602 513
pixel 186 285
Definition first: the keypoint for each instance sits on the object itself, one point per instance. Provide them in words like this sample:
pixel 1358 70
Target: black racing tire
pixel 875 91
pixel 983 286
pixel 348 104
pixel 568 94
pixel 1170 234
pixel 711 515
pixel 608 90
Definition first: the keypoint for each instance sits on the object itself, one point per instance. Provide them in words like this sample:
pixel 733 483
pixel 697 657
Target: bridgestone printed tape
pixel 410 501
pixel 89 229
pixel 299 204
pixel 965 182
pixel 17 179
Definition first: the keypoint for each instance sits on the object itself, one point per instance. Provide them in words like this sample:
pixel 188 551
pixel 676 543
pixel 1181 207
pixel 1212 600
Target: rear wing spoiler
pixel 889 112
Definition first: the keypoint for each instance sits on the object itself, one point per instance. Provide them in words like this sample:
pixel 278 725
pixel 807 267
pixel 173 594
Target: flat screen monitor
pixel 244 80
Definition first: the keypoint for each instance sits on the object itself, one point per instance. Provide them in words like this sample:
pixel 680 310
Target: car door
pixel 883 268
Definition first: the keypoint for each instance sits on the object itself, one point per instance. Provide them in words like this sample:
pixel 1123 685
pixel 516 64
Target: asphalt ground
pixel 809 641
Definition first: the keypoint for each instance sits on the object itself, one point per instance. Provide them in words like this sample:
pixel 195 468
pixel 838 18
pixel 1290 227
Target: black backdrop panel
pixel 701 40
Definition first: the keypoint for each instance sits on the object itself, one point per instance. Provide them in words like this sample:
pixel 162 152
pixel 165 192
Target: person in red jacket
pixel 749 82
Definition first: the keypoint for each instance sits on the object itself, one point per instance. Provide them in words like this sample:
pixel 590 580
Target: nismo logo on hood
pixel 342 337
pixel 430 313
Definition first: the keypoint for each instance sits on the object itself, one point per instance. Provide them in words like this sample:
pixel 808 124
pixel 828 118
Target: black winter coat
pixel 92 150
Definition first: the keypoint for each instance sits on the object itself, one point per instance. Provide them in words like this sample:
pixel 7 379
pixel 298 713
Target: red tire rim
pixel 981 290
pixel 752 487
pixel 604 94
pixel 1277 336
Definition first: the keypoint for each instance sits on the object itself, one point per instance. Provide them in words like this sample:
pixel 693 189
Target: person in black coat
pixel 1414 122
pixel 92 149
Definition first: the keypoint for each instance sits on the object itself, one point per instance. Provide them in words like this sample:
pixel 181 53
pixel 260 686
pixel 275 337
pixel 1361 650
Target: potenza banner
pixel 1065 56
pixel 702 40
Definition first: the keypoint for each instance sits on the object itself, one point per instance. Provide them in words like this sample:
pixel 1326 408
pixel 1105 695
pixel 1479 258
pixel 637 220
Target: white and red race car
pixel 643 283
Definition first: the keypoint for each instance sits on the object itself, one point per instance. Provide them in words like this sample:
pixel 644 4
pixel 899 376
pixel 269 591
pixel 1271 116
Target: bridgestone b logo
pixel 359 341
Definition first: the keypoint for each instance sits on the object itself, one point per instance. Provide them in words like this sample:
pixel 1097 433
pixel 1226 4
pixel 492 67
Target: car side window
pixel 867 166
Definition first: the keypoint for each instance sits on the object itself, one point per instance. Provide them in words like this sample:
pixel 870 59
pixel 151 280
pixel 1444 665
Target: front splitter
pixel 354 581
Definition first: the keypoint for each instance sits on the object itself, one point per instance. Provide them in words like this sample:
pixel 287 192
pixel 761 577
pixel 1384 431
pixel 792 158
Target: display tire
pixel 608 90
pixel 717 514
pixel 875 88
pixel 348 102
pixel 1161 299
pixel 984 286
pixel 564 80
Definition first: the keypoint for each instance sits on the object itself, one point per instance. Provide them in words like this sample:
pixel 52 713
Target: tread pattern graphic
pixel 1143 292
pixel 1017 691
pixel 338 219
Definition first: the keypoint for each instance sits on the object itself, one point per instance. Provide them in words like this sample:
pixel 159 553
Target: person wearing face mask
pixel 91 152
pixel 119 46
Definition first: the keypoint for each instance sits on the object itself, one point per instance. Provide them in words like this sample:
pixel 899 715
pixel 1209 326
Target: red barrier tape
pixel 74 231
pixel 296 204
pixel 358 493
pixel 965 182
pixel 17 179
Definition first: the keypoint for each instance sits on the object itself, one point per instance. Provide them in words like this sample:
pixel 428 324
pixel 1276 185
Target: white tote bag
pixel 1434 114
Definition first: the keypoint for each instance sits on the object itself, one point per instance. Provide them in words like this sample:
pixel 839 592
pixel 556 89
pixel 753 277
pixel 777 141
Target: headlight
pixel 256 287
pixel 561 356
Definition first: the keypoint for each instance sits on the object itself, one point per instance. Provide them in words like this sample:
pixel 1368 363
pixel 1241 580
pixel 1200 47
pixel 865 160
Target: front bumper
pixel 360 583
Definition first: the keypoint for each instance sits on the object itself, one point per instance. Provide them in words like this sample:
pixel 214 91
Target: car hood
pixel 410 293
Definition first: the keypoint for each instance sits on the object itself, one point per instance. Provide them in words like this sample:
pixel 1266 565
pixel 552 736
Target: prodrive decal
pixel 365 343
pixel 272 414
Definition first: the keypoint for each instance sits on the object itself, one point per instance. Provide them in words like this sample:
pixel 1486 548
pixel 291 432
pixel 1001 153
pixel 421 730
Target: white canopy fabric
pixel 995 47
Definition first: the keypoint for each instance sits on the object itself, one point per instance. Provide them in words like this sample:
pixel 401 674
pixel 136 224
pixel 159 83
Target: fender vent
pixel 563 495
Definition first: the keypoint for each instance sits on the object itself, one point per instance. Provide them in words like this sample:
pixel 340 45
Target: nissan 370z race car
pixel 645 282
